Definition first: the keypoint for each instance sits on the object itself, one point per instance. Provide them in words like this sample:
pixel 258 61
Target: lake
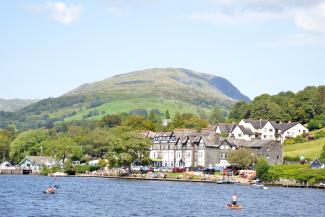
pixel 87 196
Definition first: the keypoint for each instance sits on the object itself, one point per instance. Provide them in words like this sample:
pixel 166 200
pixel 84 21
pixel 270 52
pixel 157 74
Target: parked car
pixel 179 170
pixel 209 171
pixel 231 170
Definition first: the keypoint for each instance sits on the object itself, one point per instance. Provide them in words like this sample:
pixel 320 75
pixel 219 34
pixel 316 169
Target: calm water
pixel 22 196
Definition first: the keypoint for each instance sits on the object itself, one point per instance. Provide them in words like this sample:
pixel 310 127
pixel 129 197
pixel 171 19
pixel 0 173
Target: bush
pixel 319 134
pixel 46 170
pixel 262 168
pixel 299 172
pixel 84 168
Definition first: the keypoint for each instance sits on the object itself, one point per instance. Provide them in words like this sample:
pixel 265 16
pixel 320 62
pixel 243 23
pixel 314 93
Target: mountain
pixel 175 89
pixel 176 83
pixel 11 105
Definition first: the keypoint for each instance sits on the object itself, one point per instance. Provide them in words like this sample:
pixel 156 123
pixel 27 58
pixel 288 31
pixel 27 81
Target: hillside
pixel 310 150
pixel 178 90
pixel 11 105
pixel 185 85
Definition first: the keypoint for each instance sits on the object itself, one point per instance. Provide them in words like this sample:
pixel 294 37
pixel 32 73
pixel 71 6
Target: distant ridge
pixel 12 105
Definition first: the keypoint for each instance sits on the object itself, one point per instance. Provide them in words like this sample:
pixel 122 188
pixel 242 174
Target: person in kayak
pixel 51 189
pixel 234 199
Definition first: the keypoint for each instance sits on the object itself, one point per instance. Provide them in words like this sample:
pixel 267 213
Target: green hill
pixel 175 89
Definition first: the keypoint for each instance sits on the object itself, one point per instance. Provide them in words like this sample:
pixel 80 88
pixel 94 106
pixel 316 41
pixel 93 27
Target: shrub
pixel 262 168
pixel 84 168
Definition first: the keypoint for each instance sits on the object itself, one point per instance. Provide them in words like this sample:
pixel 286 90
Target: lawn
pixel 310 150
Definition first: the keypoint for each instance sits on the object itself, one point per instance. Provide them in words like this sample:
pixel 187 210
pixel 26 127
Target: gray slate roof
pixel 254 143
pixel 287 126
pixel 246 131
pixel 226 128
pixel 257 124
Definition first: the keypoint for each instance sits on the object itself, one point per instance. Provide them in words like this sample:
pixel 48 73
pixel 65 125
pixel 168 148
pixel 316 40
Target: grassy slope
pixel 119 106
pixel 311 149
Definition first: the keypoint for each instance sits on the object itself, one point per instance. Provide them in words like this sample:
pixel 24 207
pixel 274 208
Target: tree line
pixel 306 106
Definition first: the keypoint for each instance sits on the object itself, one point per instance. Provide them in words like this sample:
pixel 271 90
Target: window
pixel 267 156
pixel 265 129
pixel 268 149
pixel 278 157
pixel 264 136
pixel 270 130
pixel 240 135
pixel 171 164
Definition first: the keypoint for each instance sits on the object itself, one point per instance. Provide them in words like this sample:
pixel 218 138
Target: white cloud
pixel 311 19
pixel 238 18
pixel 60 12
pixel 306 15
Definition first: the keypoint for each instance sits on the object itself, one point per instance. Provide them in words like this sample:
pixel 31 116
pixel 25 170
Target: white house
pixel 37 162
pixel 292 130
pixel 240 132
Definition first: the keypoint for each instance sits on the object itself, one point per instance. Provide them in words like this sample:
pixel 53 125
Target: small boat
pixel 259 185
pixel 230 206
pixel 225 182
pixel 49 192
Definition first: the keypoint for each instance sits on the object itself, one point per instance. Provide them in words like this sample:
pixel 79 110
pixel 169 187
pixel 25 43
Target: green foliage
pixel 69 168
pixel 110 121
pixel 61 147
pixel 262 168
pixel 322 155
pixel 239 111
pixel 167 115
pixel 6 137
pixel 86 168
pixel 46 170
pixel 241 157
pixel 217 116
pixel 304 106
pixel 102 163
pixel 310 149
pixel 127 148
pixel 320 133
pixel 299 172
pixel 27 143
pixel 188 120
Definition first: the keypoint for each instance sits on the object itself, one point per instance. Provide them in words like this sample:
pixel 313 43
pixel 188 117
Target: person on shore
pixel 234 199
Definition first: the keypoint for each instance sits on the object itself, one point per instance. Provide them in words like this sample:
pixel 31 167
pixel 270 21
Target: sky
pixel 50 47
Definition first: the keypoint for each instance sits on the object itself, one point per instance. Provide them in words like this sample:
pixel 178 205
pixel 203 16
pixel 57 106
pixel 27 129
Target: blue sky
pixel 50 47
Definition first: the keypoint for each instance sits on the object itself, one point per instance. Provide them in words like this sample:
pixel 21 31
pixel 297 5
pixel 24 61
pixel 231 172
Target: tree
pixel 167 115
pixel 239 111
pixel 241 157
pixel 110 121
pixel 27 143
pixel 127 148
pixel 217 116
pixel 6 136
pixel 262 168
pixel 61 147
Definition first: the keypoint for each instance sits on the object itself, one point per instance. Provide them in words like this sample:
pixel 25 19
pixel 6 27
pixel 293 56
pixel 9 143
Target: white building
pixel 248 129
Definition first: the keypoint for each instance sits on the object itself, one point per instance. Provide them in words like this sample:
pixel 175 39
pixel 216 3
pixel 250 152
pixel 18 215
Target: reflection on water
pixel 22 196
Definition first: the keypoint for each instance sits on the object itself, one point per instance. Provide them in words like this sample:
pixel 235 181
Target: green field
pixel 119 106
pixel 311 149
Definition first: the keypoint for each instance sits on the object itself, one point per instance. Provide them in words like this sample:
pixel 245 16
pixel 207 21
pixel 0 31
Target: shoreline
pixel 196 181
pixel 285 185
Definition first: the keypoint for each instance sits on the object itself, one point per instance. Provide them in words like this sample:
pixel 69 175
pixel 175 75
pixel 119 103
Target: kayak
pixel 234 206
pixel 49 192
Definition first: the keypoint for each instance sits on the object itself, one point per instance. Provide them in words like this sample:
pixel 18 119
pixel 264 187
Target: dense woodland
pixel 306 106
pixel 118 138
